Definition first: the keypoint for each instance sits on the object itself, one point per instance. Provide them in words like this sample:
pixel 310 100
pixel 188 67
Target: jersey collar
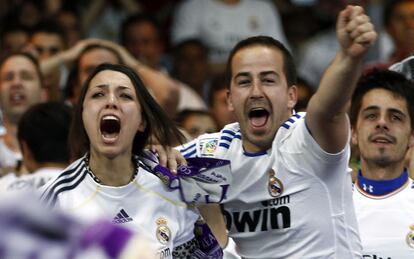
pixel 381 188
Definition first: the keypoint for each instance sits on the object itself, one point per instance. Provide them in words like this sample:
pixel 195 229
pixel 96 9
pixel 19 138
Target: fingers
pixel 162 154
pixel 169 157
pixel 358 26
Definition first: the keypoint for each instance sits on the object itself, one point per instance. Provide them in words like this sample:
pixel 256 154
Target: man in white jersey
pixel 43 135
pixel 290 196
pixel 20 87
pixel 382 118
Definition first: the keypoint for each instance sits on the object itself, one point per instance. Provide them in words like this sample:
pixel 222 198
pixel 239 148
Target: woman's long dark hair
pixel 158 125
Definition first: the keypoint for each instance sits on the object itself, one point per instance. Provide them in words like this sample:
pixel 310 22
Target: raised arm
pixel 326 114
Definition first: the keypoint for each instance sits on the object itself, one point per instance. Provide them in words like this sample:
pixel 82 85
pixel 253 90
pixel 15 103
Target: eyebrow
pixel 263 73
pixel 122 87
pixel 392 110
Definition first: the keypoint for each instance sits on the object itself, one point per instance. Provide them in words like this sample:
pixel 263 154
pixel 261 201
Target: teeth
pixel 16 97
pixel 110 117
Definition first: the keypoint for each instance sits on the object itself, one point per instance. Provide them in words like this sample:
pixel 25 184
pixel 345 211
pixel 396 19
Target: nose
pixel 382 123
pixel 16 80
pixel 256 89
pixel 112 101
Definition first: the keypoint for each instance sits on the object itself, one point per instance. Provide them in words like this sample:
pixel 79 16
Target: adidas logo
pixel 122 217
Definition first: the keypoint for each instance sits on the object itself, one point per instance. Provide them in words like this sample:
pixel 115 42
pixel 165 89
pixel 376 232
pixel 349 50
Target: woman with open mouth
pixel 113 121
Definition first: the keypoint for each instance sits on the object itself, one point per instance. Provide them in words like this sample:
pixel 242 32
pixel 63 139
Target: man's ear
pixel 229 101
pixel 354 137
pixel 292 96
pixel 411 140
pixel 28 159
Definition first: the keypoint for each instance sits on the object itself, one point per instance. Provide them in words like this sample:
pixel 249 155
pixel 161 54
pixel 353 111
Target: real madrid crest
pixel 275 186
pixel 410 237
pixel 163 233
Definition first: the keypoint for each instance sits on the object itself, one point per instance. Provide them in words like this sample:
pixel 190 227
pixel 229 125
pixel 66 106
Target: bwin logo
pixel 258 220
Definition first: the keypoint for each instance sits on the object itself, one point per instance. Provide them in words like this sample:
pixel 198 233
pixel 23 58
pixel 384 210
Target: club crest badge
pixel 275 186
pixel 410 237
pixel 163 233
pixel 208 147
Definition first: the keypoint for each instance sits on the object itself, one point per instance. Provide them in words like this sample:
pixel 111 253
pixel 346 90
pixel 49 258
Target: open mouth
pixel 16 97
pixel 110 127
pixel 258 117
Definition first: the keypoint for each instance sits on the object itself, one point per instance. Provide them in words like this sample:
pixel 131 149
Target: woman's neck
pixel 116 171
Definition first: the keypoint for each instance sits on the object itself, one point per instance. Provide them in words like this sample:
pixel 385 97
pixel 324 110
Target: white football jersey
pixel 29 182
pixel 145 205
pixel 292 201
pixel 384 221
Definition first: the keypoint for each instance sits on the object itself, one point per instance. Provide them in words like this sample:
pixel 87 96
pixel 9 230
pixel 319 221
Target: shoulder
pixel 151 184
pixel 67 180
pixel 292 124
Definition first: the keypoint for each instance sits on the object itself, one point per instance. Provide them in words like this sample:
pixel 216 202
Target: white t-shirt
pixel 384 221
pixel 28 182
pixel 220 26
pixel 146 206
pixel 310 212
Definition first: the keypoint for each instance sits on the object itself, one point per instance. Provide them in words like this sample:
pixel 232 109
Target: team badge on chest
pixel 163 233
pixel 275 186
pixel 410 237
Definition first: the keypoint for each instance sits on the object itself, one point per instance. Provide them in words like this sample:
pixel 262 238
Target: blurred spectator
pixel 26 12
pixel 317 52
pixel 43 138
pixel 196 122
pixel 141 36
pixel 398 19
pixel 190 65
pixel 20 88
pixel 217 101
pixel 69 20
pixel 220 24
pixel 102 18
pixel 88 54
pixel 48 39
pixel 13 38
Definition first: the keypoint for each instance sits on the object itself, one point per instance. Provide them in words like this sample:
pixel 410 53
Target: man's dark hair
pixel 135 19
pixel 49 26
pixel 45 128
pixel 266 41
pixel 383 79
pixel 159 126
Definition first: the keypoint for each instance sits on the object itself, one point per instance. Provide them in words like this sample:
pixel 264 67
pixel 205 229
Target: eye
pixel 97 94
pixel 269 81
pixel 8 77
pixel 127 96
pixel 395 117
pixel 243 82
pixel 370 116
pixel 27 75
